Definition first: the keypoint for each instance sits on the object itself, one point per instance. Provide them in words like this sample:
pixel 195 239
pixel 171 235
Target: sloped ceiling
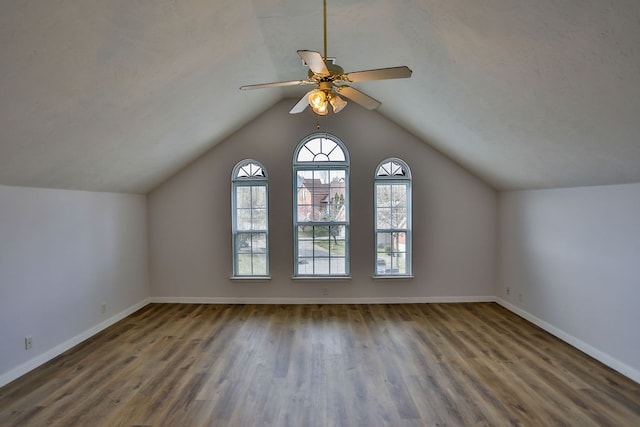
pixel 117 95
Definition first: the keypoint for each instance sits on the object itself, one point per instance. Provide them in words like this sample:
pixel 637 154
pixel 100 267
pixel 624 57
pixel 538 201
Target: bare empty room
pixel 318 213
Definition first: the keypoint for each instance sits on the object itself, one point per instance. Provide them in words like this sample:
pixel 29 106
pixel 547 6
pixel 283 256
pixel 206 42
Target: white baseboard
pixel 611 362
pixel 320 300
pixel 43 358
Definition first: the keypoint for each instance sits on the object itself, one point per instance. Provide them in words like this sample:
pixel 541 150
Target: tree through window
pixel 321 207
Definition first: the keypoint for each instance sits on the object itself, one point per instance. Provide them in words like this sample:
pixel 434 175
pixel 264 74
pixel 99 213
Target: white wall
pixel 571 259
pixel 63 254
pixel 454 217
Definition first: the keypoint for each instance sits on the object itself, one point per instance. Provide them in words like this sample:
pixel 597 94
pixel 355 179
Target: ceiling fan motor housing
pixel 325 86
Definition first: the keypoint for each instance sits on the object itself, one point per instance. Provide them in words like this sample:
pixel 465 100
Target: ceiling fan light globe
pixel 321 110
pixel 337 103
pixel 317 99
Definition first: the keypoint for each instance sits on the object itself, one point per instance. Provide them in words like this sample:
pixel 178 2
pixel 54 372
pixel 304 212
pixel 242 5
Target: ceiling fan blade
pixel 355 95
pixel 277 84
pixel 301 105
pixel 315 62
pixel 402 72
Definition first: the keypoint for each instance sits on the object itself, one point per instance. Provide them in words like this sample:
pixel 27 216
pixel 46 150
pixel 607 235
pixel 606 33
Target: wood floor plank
pixel 322 365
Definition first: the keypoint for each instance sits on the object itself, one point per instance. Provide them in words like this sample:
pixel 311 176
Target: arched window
pixel 321 207
pixel 393 218
pixel 250 219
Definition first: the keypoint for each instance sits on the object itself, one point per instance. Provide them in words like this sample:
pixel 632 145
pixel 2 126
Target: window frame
pixel 314 165
pixel 394 179
pixel 241 181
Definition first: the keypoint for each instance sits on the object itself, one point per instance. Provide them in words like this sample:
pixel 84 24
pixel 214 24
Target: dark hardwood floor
pixel 322 365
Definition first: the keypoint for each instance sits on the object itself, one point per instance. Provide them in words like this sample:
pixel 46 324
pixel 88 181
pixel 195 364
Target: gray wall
pixel 62 255
pixel 570 259
pixel 454 217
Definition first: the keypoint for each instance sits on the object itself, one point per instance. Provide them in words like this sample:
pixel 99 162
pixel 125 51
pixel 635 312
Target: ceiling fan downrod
pixel 324 12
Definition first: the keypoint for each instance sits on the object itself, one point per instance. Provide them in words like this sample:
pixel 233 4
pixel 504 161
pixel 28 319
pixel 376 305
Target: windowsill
pixel 251 278
pixel 390 277
pixel 320 278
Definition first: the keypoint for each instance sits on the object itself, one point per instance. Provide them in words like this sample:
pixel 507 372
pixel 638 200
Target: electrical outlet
pixel 103 308
pixel 325 291
pixel 508 291
pixel 28 343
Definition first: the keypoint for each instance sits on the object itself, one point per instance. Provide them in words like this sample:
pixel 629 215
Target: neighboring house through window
pixel 393 218
pixel 250 218
pixel 321 207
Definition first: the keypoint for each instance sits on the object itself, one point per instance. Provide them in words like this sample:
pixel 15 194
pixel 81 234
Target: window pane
pixel 328 146
pixel 338 266
pixel 321 250
pixel 243 242
pixel 319 213
pixel 383 243
pixel 399 193
pixel 243 219
pixel 336 155
pixel 399 218
pixel 314 146
pixel 251 254
pixel 383 195
pixel 336 177
pixel 259 264
pixel 337 249
pixel 243 264
pixel 259 196
pixel 305 266
pixel 259 243
pixel 259 219
pixel 383 216
pixel 252 264
pixel 305 242
pixel 243 197
pixel 304 213
pixel 391 253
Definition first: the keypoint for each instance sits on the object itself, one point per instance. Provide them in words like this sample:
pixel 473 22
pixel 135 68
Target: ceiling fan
pixel 331 81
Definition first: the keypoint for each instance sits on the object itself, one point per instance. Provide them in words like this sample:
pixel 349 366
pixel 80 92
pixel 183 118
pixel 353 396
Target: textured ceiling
pixel 117 95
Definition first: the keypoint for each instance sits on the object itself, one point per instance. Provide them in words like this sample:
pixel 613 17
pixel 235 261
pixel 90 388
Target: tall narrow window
pixel 321 207
pixel 249 204
pixel 393 218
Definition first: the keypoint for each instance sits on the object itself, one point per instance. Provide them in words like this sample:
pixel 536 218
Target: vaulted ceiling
pixel 117 95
